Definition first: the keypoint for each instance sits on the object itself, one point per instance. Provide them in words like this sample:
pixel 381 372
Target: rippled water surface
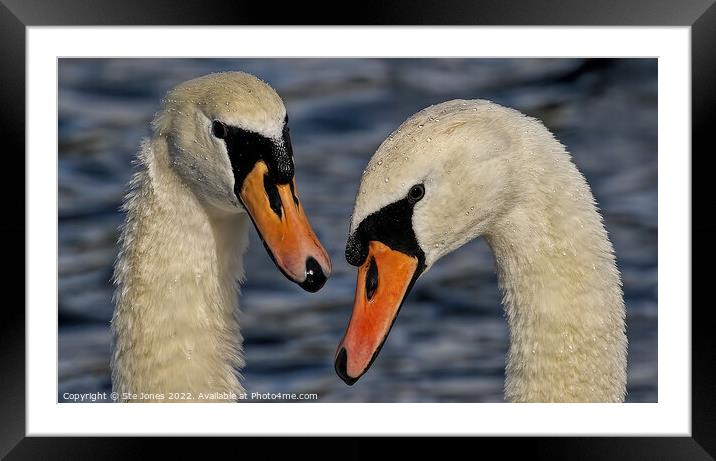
pixel 450 341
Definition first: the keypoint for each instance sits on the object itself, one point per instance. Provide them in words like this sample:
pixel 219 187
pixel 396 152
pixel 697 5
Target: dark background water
pixel 450 341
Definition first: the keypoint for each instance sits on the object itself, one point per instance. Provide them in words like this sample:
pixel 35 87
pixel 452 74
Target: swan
pixel 463 169
pixel 219 157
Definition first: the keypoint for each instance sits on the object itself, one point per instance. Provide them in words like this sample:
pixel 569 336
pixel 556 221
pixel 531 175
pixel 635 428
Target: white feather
pixel 491 171
pixel 175 324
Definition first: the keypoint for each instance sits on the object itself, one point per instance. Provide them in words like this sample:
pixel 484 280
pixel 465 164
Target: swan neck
pixel 562 295
pixel 175 323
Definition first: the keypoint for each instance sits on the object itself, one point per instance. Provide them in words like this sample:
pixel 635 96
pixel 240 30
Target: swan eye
pixel 218 129
pixel 416 193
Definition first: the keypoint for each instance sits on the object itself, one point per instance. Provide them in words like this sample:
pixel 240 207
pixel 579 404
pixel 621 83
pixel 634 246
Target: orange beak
pixel 284 228
pixel 384 280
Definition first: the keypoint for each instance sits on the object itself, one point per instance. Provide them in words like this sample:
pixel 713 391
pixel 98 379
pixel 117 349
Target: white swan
pixel 220 147
pixel 463 169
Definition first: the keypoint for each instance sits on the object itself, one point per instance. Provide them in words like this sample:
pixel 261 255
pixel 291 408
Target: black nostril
pixel 315 278
pixel 371 280
pixel 293 193
pixel 273 197
pixel 342 366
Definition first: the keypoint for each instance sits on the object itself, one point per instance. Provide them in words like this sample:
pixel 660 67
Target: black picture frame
pixel 17 15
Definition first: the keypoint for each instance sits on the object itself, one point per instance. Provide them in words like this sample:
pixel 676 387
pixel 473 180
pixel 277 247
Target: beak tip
pixel 341 367
pixel 315 278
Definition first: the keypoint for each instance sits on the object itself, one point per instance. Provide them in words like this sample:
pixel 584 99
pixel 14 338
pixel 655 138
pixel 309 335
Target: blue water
pixel 450 341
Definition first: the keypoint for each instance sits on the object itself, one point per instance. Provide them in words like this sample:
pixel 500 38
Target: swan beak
pixel 384 280
pixel 284 228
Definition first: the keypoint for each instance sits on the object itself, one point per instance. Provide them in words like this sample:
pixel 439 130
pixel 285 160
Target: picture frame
pixel 700 16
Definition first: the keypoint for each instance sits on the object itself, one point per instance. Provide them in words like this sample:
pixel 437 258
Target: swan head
pixel 228 140
pixel 440 180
